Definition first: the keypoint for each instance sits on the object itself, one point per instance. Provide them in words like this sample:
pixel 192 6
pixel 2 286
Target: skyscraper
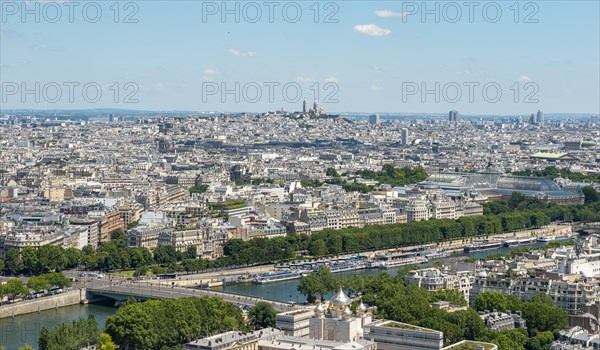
pixel 374 119
pixel 305 106
pixel 594 120
pixel 404 136
pixel 453 116
pixel 539 117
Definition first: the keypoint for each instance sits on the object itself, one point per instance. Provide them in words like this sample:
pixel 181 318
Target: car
pixel 54 290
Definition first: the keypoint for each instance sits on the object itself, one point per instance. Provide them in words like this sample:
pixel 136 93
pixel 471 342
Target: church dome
pixel 319 310
pixel 361 308
pixel 340 299
pixel 347 313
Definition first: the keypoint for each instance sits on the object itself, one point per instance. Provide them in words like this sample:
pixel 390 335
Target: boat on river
pixel 271 277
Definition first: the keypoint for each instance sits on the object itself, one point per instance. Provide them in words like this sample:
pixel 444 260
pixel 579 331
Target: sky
pixel 501 58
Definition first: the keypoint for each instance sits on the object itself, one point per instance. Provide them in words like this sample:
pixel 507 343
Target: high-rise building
pixel 539 117
pixel 374 119
pixel 453 116
pixel 594 120
pixel 111 118
pixel 305 106
pixel 532 119
pixel 404 136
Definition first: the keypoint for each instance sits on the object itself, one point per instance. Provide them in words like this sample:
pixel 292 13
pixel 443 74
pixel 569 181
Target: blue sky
pixel 181 55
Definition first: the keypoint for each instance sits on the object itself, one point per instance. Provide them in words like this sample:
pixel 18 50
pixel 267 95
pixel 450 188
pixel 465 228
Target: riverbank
pixel 71 297
pixel 451 247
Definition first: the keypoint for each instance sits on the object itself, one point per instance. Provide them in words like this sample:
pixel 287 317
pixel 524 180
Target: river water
pixel 25 329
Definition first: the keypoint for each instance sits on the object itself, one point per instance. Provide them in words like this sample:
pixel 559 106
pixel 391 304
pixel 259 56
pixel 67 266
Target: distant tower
pixel 594 120
pixel 111 118
pixel 305 106
pixel 316 107
pixel 453 116
pixel 532 119
pixel 539 117
pixel 374 119
pixel 404 136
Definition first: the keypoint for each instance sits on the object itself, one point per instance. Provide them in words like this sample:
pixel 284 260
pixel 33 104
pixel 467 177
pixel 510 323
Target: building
pixel 453 116
pixel 333 326
pixel 374 119
pixel 501 321
pixel 392 335
pixel 232 340
pixel 539 117
pixel 433 279
pixel 417 210
pixel 294 323
pixel 405 139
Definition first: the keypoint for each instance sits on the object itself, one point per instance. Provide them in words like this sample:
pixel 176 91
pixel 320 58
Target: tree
pixel 166 324
pixel 591 195
pixel 13 261
pixel 317 247
pixel 190 252
pixel 543 315
pixel 1 267
pixel 30 260
pixel 262 315
pixel 15 287
pixel 332 172
pixel 117 235
pixel 26 347
pixel 106 342
pixel 165 255
pixel 37 283
pixel 541 341
pixel 496 301
pixel 74 257
pixel 57 279
pixel 141 271
pixel 70 336
pixel 317 283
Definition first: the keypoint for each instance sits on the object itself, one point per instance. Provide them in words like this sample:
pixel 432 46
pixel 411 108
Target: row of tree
pixel 48 280
pixel 515 214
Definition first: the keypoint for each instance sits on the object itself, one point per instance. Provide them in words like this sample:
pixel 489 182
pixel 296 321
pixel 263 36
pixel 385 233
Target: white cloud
pixel 242 54
pixel 390 13
pixel 331 80
pixel 372 30
pixel 305 79
pixel 210 73
pixel 524 78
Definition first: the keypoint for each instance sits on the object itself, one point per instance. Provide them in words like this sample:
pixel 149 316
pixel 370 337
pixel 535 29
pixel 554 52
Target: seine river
pixel 25 329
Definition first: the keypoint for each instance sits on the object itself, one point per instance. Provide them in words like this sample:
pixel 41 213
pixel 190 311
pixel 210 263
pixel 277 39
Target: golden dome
pixel 361 308
pixel 319 310
pixel 347 313
pixel 340 299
